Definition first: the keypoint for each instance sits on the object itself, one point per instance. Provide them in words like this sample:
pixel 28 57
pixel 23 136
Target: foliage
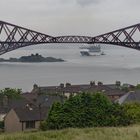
pixel 105 133
pixel 117 116
pixel 125 89
pixel 138 86
pixel 86 110
pixel 10 93
pixel 133 110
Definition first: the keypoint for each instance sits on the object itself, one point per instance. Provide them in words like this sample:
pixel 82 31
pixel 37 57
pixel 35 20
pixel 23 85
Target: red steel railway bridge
pixel 13 37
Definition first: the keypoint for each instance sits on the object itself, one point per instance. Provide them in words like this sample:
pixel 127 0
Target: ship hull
pixel 91 51
pixel 86 53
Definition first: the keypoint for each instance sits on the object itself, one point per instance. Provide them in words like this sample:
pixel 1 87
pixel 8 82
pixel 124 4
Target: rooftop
pixel 31 114
pixel 129 97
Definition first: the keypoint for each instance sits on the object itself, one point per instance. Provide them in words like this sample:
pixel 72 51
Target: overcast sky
pixel 71 17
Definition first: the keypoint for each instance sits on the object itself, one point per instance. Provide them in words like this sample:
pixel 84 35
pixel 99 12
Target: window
pixel 30 124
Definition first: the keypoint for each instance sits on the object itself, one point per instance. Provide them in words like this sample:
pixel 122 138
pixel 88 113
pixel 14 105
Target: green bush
pixel 10 93
pixel 133 111
pixel 137 86
pixel 86 110
pixel 118 116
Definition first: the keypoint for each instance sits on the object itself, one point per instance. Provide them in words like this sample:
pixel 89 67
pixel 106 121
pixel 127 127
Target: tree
pixel 137 86
pixel 10 93
pixel 133 111
pixel 86 110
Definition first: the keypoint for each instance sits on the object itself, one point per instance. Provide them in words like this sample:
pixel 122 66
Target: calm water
pixel 118 64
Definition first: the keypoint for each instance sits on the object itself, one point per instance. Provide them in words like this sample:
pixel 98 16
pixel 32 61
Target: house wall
pixel 37 125
pixel 2 117
pixel 68 94
pixel 12 122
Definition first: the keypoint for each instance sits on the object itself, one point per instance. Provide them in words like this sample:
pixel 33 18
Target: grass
pixel 107 133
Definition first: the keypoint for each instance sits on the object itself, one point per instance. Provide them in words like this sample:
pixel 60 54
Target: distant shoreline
pixel 33 58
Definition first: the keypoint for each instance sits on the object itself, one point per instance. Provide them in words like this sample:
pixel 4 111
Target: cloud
pixel 58 17
pixel 87 2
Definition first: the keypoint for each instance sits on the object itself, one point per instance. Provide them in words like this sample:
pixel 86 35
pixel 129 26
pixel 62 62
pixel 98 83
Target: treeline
pixel 10 93
pixel 90 110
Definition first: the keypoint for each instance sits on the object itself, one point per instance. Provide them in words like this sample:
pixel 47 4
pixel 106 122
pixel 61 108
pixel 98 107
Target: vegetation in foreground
pixel 108 133
pixel 86 110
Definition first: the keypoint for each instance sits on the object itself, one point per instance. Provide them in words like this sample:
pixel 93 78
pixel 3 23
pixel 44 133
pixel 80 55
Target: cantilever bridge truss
pixel 13 37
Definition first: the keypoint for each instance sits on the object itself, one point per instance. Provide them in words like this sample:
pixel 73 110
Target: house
pixel 27 98
pixel 2 115
pixel 27 112
pixel 24 119
pixel 43 99
pixel 133 96
pixel 113 91
pixel 7 105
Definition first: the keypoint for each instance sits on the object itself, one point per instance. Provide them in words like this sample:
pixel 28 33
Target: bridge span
pixel 13 37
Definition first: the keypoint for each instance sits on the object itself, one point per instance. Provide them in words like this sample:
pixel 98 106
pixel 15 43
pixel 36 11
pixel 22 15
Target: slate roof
pixel 32 114
pixel 107 89
pixel 13 103
pixel 129 97
pixel 29 95
pixel 32 99
pixel 43 99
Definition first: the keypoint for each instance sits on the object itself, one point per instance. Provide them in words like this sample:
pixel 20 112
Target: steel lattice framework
pixel 126 37
pixel 13 37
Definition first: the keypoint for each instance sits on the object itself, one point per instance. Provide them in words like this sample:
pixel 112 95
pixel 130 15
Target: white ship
pixel 91 50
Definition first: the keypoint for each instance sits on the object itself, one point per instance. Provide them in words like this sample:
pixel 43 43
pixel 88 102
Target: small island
pixel 32 58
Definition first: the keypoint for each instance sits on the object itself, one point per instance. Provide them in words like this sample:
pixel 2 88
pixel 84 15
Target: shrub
pixel 86 110
pixel 133 111
pixel 137 86
pixel 118 116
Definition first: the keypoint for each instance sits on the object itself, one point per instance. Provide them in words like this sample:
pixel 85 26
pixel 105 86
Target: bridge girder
pixel 13 37
pixel 127 37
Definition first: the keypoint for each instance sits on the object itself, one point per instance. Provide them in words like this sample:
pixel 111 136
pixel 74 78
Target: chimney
pixel 100 83
pixel 118 83
pixel 61 85
pixel 35 86
pixel 92 83
pixel 68 85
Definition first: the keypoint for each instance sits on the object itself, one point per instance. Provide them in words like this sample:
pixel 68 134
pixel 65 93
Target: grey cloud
pixel 87 2
pixel 57 17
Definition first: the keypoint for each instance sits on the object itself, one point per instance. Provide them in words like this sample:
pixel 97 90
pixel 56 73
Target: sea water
pixel 119 63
